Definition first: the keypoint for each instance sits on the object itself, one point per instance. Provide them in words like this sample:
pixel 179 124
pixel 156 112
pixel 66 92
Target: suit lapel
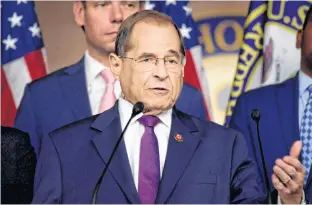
pixel 74 88
pixel 179 154
pixel 109 126
pixel 287 96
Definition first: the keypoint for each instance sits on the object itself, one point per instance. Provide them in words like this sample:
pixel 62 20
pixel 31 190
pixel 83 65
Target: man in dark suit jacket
pixel 166 156
pixel 75 92
pixel 282 107
pixel 18 163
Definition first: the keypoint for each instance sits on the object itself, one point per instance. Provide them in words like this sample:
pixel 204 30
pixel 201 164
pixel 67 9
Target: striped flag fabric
pixel 268 54
pixel 181 14
pixel 23 57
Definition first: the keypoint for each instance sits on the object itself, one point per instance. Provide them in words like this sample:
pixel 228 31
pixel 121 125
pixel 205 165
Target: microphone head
pixel 255 115
pixel 137 108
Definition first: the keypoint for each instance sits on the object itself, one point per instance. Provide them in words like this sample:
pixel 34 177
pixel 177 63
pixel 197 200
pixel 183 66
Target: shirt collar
pixel 125 110
pixel 93 67
pixel 305 81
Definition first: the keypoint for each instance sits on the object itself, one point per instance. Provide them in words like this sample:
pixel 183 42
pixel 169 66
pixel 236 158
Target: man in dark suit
pixel 81 90
pixel 18 163
pixel 166 156
pixel 285 118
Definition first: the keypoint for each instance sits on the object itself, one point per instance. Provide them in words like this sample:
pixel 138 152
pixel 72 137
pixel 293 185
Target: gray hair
pixel 122 42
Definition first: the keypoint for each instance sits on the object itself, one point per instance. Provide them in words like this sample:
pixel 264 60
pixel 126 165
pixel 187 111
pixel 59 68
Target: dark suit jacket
pixel 279 127
pixel 18 163
pixel 62 97
pixel 211 165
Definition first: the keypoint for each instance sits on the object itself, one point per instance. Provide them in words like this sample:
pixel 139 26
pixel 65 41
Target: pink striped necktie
pixel 108 100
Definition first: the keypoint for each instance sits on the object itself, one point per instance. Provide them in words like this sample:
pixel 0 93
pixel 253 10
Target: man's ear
pixel 115 65
pixel 299 38
pixel 78 10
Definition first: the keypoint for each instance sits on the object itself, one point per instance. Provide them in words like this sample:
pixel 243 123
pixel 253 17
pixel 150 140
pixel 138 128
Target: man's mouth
pixel 160 90
pixel 112 33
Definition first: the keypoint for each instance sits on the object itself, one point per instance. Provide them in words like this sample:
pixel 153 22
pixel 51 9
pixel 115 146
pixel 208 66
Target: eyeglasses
pixel 170 62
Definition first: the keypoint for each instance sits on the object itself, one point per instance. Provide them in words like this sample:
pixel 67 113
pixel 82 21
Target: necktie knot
pixel 149 121
pixel 108 98
pixel 108 76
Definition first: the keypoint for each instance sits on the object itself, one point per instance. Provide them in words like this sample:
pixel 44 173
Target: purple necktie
pixel 149 173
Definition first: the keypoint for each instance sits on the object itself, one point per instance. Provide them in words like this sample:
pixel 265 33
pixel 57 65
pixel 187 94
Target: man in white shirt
pixel 166 156
pixel 82 89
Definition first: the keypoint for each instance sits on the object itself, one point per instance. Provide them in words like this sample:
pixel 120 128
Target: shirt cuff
pixel 302 202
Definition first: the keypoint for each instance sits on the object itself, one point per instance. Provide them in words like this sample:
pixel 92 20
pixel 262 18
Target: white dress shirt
pixel 133 134
pixel 95 82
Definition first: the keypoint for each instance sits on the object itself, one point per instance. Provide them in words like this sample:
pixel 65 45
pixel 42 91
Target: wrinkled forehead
pixel 153 36
pixel 117 1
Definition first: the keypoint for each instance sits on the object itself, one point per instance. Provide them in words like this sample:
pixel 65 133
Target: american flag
pixel 181 14
pixel 23 57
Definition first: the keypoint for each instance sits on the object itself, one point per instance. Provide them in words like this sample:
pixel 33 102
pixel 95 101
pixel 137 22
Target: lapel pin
pixel 178 138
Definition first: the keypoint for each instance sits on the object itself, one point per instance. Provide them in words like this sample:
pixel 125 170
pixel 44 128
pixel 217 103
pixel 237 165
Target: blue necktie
pixel 306 136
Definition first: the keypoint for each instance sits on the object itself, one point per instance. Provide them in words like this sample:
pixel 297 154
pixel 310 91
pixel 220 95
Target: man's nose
pixel 161 71
pixel 117 12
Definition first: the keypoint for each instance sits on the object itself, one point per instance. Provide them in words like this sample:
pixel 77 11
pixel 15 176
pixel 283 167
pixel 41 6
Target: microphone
pixel 255 115
pixel 137 108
